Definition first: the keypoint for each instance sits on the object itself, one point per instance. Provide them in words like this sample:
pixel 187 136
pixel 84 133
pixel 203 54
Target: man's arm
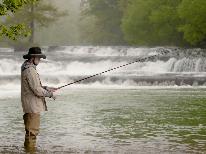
pixel 45 87
pixel 34 84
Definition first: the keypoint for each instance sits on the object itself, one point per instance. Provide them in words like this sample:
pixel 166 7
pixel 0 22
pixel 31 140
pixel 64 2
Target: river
pixel 151 107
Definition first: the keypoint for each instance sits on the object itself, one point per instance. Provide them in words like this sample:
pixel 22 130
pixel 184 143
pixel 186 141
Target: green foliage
pixel 13 31
pixel 193 13
pixel 164 21
pixel 20 17
pixel 34 15
pixel 7 8
pixel 157 22
pixel 41 12
pixel 151 22
pixel 105 17
pixel 135 23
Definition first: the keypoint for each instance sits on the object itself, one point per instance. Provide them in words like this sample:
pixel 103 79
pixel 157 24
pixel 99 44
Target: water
pixel 182 67
pixel 151 107
pixel 113 121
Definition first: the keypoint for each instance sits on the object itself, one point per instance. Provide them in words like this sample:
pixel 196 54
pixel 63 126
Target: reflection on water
pixel 112 121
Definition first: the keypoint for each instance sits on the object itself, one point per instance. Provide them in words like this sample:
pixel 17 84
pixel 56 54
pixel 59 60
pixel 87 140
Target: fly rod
pixel 162 52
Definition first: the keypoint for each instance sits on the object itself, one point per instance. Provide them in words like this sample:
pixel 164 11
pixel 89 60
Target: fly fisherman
pixel 33 95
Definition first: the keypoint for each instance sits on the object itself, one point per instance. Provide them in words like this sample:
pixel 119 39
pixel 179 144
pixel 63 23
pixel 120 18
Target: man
pixel 33 95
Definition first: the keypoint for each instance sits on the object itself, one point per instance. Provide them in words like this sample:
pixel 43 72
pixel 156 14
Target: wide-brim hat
pixel 34 52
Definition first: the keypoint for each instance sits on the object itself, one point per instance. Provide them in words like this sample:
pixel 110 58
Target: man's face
pixel 36 60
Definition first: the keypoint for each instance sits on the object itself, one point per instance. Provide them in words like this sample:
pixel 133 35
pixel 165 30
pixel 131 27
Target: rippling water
pixel 112 121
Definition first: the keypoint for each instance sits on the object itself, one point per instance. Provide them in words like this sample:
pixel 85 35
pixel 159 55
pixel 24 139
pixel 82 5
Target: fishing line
pixel 162 52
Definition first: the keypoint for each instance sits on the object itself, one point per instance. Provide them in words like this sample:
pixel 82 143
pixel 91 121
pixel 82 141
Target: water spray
pixel 161 51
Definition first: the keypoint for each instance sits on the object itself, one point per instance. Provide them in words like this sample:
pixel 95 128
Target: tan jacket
pixel 32 92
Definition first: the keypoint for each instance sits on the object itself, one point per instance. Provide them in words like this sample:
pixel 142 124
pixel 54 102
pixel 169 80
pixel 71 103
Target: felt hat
pixel 34 52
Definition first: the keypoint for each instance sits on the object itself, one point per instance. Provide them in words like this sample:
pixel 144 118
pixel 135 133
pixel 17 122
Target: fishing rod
pixel 161 51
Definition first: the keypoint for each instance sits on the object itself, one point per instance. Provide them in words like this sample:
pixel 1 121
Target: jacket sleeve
pixel 34 84
pixel 45 87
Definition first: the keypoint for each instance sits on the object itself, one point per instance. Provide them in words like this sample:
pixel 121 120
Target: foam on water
pixel 107 51
pixel 12 67
pixel 71 63
pixel 9 91
pixel 6 50
pixel 9 67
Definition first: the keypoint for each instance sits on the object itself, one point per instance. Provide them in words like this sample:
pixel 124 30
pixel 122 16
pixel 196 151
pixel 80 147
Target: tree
pixel 152 22
pixel 7 8
pixel 193 14
pixel 165 21
pixel 104 18
pixel 35 15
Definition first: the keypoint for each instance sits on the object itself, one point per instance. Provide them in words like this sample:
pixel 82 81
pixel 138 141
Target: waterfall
pixel 69 63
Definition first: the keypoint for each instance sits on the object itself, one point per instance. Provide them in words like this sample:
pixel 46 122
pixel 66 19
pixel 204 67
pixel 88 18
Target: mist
pixel 65 31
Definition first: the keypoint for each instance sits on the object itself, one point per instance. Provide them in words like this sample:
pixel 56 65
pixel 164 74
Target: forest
pixel 149 22
pixel 107 22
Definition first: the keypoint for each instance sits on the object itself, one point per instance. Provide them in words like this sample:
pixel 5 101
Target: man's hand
pixel 54 97
pixel 52 89
pixel 51 95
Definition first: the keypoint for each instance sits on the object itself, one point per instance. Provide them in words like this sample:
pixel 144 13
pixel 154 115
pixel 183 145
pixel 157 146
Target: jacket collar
pixel 26 65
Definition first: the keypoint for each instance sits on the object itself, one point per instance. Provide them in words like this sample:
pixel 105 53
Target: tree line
pixel 148 22
pixel 112 22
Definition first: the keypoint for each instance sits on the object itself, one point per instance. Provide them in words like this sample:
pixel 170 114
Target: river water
pixel 151 107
